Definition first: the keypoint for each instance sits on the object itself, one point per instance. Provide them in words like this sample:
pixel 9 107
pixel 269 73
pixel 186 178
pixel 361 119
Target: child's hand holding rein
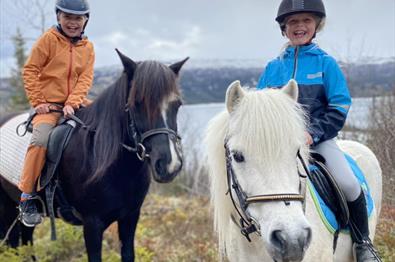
pixel 42 108
pixel 68 110
pixel 309 139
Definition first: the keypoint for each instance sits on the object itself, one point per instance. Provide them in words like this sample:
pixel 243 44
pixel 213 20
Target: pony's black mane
pixel 152 83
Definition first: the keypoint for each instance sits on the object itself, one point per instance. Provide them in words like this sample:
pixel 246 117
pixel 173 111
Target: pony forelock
pixel 267 123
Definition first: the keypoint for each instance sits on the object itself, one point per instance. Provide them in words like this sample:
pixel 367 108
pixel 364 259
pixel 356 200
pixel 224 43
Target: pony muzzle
pixel 287 246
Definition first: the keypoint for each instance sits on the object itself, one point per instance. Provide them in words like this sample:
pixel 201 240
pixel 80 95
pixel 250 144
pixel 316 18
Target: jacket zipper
pixel 295 62
pixel 70 66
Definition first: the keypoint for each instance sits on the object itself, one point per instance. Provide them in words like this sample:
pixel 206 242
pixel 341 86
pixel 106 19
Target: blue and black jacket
pixel 323 89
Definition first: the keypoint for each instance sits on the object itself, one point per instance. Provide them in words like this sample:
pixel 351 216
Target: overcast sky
pixel 207 29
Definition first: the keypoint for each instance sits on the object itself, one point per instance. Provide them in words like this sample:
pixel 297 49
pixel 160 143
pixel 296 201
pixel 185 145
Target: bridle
pixel 247 223
pixel 138 139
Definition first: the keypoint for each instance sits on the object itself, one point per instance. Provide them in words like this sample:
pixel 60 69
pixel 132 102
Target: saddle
pixel 328 189
pixel 48 181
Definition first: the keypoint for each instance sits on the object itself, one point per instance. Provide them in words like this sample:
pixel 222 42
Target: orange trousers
pixel 36 152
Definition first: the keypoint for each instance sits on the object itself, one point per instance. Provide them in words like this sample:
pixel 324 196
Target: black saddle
pixel 48 180
pixel 328 189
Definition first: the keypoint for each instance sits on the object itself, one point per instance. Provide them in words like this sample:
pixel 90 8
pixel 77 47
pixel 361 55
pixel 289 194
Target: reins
pixel 72 117
pixel 31 116
pixel 247 223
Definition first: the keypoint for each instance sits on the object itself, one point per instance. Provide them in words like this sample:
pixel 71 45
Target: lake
pixel 193 119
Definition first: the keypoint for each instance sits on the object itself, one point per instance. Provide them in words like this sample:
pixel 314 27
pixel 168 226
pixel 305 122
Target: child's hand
pixel 309 139
pixel 68 110
pixel 42 108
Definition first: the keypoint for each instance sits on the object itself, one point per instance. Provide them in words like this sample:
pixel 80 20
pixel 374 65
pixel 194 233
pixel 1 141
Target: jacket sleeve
pixel 32 69
pixel 84 83
pixel 332 118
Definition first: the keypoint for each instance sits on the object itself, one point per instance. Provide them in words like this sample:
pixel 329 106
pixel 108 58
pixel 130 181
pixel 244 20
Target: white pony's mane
pixel 265 122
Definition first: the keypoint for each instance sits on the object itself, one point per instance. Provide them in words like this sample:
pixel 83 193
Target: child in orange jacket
pixel 58 72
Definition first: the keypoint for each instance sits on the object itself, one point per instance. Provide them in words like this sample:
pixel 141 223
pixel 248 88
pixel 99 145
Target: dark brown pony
pixel 106 169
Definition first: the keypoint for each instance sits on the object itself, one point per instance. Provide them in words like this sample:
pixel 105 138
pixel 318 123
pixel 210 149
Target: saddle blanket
pixel 326 214
pixel 13 148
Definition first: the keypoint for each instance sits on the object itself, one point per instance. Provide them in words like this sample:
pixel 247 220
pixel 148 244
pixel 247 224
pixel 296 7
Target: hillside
pixel 206 82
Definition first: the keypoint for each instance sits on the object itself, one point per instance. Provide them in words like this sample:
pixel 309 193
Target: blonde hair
pixel 320 24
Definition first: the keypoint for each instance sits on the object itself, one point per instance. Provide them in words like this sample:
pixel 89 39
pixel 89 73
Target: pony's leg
pixel 14 236
pixel 93 235
pixel 126 231
pixel 8 215
pixel 27 237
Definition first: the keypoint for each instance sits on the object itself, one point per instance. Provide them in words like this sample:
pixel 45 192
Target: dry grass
pixel 170 229
pixel 385 234
pixel 174 229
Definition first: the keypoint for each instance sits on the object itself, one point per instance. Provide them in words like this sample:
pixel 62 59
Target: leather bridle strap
pixel 157 131
pixel 249 224
pixel 138 140
pixel 274 197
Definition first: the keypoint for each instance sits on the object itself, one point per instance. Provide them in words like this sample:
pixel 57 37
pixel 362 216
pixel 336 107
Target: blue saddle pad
pixel 326 214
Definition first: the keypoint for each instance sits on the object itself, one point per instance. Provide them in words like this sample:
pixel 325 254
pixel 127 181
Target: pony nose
pixel 160 165
pixel 291 247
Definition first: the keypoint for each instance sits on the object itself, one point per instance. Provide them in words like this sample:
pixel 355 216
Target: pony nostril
pixel 304 239
pixel 278 240
pixel 160 166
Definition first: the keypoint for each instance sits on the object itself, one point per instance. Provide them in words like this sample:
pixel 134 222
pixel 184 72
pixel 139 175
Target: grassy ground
pixel 170 229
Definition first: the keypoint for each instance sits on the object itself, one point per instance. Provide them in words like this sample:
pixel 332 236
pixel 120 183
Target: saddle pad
pixel 326 214
pixel 13 149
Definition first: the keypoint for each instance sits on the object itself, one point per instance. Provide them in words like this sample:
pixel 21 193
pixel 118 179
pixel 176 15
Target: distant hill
pixel 206 81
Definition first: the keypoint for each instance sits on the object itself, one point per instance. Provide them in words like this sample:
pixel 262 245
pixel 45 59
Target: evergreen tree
pixel 19 100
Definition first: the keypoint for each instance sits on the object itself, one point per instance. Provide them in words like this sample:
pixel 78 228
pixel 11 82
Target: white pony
pixel 263 132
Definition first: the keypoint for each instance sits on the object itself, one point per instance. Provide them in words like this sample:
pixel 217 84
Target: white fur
pixel 175 162
pixel 268 128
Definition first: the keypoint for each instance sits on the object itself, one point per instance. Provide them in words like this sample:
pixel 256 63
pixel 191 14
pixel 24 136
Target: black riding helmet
pixel 291 7
pixel 75 7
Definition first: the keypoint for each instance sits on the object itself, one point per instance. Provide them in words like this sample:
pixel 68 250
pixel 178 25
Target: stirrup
pixel 30 219
pixel 367 245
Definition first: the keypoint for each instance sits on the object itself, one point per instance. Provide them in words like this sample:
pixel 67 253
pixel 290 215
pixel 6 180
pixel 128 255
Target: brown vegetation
pixel 381 139
pixel 170 229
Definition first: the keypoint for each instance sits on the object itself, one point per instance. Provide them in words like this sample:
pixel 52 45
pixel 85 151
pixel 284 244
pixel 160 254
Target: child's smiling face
pixel 72 25
pixel 300 28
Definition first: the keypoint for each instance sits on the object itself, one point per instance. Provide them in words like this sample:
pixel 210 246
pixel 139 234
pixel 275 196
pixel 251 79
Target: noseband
pixel 138 139
pixel 247 223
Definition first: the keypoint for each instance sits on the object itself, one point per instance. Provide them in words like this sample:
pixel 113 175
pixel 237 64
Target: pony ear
pixel 128 64
pixel 176 67
pixel 234 95
pixel 291 89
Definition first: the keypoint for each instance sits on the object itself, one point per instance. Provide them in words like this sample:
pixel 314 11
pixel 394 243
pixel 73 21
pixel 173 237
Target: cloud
pixel 165 48
pixel 143 44
pixel 207 29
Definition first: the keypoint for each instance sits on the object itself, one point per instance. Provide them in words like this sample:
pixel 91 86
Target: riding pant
pixel 339 168
pixel 36 152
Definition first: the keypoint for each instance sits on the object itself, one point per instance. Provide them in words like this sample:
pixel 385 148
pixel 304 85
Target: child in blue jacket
pixel 324 93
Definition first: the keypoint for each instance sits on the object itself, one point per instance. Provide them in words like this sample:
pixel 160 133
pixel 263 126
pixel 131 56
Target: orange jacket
pixel 58 71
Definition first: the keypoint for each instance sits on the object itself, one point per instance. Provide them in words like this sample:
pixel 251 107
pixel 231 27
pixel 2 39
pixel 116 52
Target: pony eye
pixel 238 157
